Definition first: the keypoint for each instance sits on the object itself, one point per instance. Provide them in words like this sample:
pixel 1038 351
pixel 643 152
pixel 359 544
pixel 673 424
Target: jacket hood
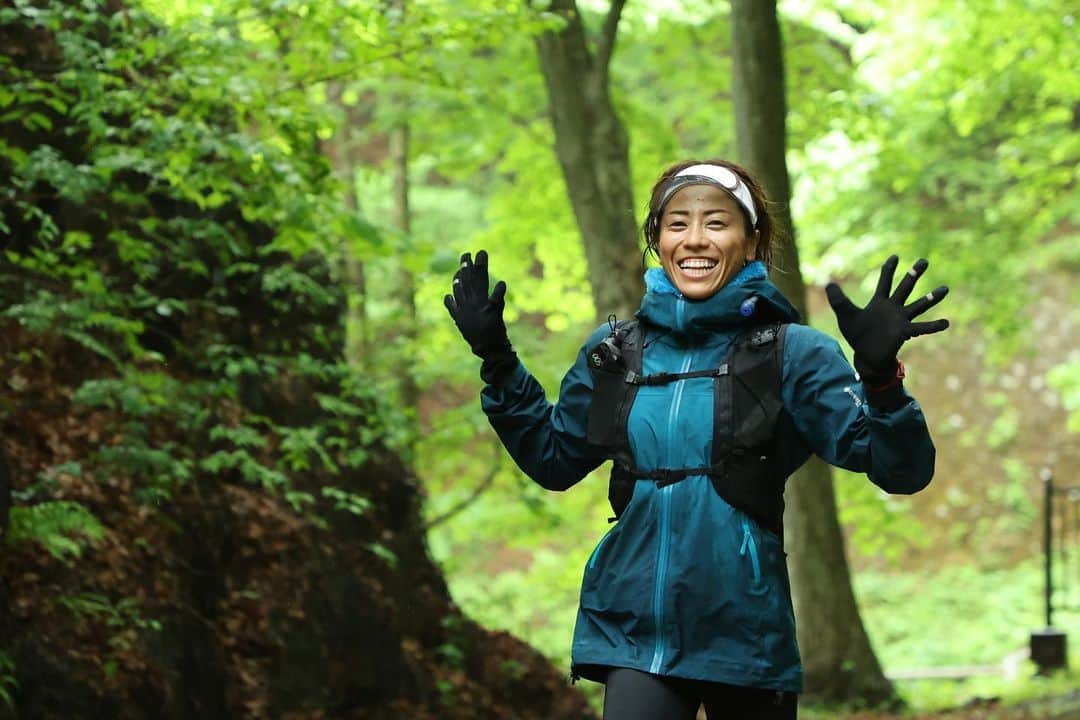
pixel 747 299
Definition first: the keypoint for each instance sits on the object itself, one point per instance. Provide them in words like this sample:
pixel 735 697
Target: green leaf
pixel 63 528
pixel 384 553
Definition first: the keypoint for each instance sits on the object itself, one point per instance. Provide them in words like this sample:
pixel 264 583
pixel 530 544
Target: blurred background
pixel 246 471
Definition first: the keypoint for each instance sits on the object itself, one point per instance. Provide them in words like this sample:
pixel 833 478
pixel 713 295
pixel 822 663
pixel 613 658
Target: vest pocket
pixel 609 391
pixel 620 490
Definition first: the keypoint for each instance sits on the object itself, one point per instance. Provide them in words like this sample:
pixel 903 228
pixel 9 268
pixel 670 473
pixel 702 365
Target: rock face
pixel 159 562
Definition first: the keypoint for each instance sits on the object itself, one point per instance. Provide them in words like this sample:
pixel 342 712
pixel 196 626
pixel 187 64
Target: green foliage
pixel 188 180
pixel 519 538
pixel 8 682
pixel 967 157
pixel 122 618
pixel 452 654
pixel 1006 424
pixel 121 614
pixel 347 501
pixel 1066 380
pixel 1019 511
pixel 961 616
pixel 384 553
pixel 61 527
pixel 880 526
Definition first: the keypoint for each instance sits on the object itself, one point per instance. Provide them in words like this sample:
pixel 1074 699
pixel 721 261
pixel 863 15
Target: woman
pixel 707 402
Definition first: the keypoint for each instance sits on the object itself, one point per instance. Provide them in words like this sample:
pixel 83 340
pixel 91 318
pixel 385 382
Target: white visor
pixel 711 175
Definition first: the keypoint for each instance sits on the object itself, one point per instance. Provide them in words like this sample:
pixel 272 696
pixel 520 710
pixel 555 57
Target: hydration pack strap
pixel 666 476
pixel 664 378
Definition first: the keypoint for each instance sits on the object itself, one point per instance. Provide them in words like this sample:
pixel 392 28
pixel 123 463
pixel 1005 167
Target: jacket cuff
pixel 499 369
pixel 887 400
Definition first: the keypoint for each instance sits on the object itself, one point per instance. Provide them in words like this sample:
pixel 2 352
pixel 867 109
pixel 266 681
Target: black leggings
pixel 636 695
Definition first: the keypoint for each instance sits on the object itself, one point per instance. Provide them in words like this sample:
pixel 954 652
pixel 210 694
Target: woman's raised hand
pixel 479 317
pixel 877 331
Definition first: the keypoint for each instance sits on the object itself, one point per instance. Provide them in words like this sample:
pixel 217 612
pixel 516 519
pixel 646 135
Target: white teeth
pixel 697 264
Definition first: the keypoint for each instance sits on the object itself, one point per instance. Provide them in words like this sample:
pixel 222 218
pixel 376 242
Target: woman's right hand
pixel 479 316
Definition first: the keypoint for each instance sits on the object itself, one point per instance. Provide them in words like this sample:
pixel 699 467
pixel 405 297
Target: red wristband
pixel 894 381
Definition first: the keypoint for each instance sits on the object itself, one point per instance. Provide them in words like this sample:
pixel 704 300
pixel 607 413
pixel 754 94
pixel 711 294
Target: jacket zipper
pixel 748 543
pixel 665 519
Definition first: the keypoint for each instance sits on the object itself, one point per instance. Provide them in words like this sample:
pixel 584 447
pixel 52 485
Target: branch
pixel 473 496
pixel 606 44
pixel 859 27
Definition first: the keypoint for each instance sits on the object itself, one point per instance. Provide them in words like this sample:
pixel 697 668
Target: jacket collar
pixel 747 299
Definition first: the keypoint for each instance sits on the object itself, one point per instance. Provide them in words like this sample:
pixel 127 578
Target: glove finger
pixel 885 280
pixel 471 291
pixel 927 328
pixel 907 283
pixel 926 302
pixel 498 295
pixel 451 306
pixel 838 301
pixel 461 277
pixel 480 268
pixel 461 293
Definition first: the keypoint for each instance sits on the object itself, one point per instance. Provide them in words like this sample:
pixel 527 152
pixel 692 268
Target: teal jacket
pixel 684 584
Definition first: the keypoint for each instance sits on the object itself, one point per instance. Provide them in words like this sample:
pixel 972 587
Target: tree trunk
pixel 344 156
pixel 839 662
pixel 593 151
pixel 406 292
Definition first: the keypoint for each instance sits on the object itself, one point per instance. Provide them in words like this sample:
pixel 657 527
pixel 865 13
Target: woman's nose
pixel 695 237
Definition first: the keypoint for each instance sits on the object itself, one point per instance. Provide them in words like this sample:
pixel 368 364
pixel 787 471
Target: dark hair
pixel 766 224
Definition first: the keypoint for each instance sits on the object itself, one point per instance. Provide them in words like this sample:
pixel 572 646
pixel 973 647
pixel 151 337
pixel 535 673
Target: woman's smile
pixel 697 268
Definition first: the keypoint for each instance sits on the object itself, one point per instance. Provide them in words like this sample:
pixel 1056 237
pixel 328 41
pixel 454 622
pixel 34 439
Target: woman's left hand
pixel 877 331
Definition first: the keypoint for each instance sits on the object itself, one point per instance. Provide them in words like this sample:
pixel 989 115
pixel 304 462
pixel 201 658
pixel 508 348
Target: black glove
pixel 877 331
pixel 478 317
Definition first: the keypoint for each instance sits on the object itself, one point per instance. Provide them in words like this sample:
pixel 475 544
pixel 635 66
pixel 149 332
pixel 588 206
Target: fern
pixel 62 527
pixel 8 683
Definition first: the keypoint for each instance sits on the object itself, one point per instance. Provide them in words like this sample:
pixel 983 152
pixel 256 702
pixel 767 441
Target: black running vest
pixel 746 468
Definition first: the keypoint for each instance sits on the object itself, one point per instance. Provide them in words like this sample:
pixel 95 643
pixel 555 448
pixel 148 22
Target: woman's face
pixel 703 241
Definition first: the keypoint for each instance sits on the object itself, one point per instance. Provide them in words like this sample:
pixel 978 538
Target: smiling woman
pixel 703 241
pixel 706 401
pixel 710 209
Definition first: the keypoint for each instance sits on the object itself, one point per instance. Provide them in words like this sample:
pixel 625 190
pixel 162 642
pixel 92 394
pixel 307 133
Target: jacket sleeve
pixel 548 442
pixel 828 405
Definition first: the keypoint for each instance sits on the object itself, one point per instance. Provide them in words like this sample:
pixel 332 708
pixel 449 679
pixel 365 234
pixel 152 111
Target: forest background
pixel 311 173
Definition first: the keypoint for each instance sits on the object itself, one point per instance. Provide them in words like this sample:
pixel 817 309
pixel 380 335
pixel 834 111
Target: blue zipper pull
pixel 748 542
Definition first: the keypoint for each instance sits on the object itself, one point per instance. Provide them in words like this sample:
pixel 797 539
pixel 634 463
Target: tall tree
pixel 593 150
pixel 839 661
pixel 343 152
pixel 406 290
